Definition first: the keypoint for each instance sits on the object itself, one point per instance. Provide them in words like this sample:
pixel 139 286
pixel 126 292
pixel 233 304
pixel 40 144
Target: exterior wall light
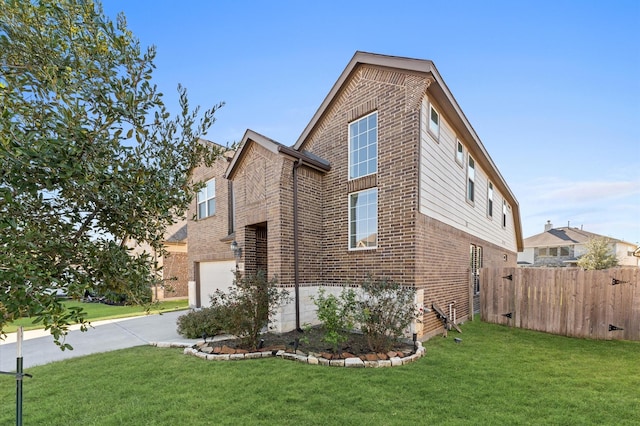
pixel 237 250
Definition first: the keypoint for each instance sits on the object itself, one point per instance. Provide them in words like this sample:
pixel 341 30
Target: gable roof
pixel 562 237
pixel 180 236
pixel 450 108
pixel 269 144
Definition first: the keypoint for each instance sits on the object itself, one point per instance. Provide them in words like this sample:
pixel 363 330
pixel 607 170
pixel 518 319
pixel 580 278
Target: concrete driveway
pixel 38 347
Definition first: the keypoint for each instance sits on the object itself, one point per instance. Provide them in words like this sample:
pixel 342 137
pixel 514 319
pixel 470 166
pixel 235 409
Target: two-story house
pixel 388 178
pixel 563 246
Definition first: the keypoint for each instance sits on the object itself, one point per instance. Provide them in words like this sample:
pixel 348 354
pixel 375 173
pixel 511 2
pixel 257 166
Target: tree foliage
pixel 599 254
pixel 89 158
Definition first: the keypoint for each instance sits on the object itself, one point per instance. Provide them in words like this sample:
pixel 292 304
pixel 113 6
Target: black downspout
pixel 296 270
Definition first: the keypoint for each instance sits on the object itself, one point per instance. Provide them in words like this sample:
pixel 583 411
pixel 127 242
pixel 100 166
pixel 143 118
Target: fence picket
pixel 567 301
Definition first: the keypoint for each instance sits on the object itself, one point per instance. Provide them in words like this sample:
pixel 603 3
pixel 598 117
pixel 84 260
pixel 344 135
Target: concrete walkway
pixel 38 347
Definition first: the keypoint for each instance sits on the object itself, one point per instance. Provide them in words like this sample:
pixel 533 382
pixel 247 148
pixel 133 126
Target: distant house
pixel 174 263
pixel 557 247
pixel 388 178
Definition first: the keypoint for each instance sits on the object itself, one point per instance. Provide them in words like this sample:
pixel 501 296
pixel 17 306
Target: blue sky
pixel 551 87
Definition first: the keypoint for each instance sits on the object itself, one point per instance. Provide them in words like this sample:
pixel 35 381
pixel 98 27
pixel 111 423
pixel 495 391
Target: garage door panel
pixel 215 276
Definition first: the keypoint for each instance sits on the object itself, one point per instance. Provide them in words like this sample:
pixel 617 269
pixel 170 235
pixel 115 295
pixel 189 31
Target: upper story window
pixel 490 200
pixel 460 153
pixel 504 213
pixel 363 219
pixel 471 179
pixel 206 200
pixel 434 122
pixel 363 146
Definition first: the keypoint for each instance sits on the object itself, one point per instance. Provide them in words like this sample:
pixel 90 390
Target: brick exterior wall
pixel 204 243
pixel 413 249
pixel 176 275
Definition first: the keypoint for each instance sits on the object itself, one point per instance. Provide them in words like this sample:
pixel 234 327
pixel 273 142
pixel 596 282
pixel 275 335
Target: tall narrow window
pixel 476 263
pixel 471 179
pixel 504 213
pixel 434 122
pixel 363 146
pixel 363 219
pixel 231 208
pixel 460 153
pixel 206 200
pixel 490 200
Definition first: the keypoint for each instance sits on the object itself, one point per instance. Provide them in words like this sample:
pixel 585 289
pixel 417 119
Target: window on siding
pixel 471 179
pixel 564 251
pixel 363 146
pixel 434 122
pixel 490 200
pixel 363 219
pixel 460 153
pixel 476 264
pixel 504 213
pixel 206 200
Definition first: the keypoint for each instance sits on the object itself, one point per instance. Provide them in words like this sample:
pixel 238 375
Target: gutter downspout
pixel 296 254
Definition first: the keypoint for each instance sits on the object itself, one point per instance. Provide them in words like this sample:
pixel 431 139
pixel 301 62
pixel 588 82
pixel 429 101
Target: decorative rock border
pixel 312 359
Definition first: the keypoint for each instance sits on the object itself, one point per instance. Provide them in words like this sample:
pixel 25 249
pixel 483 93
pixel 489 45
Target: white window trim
pixel 349 220
pixel 436 134
pixel 205 200
pixel 349 144
pixel 472 179
pixel 460 161
pixel 504 214
pixel 491 205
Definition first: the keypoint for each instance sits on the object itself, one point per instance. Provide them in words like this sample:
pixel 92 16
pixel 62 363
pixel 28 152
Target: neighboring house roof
pixel 439 90
pixel 562 237
pixel 178 237
pixel 636 252
pixel 269 144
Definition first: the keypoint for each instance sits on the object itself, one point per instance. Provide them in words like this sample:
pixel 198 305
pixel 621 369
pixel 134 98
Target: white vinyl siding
pixel 443 187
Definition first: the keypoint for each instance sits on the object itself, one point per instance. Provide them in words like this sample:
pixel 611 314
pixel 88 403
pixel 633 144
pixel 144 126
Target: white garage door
pixel 215 276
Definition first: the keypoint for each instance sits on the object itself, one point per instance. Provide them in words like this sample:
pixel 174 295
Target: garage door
pixel 214 276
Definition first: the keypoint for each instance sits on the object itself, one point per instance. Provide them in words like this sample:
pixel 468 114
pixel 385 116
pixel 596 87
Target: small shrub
pixel 251 302
pixel 336 315
pixel 209 321
pixel 385 310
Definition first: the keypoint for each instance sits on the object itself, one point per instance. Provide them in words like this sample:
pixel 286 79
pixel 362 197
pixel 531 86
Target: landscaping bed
pixel 309 347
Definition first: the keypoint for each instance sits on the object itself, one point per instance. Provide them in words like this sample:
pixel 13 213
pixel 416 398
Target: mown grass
pixel 100 311
pixel 497 375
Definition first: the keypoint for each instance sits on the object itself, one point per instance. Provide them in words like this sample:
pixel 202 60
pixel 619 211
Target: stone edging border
pixel 305 359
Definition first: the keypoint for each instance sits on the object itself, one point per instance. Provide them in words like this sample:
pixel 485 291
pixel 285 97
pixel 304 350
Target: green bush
pixel 336 315
pixel 252 301
pixel 385 310
pixel 209 321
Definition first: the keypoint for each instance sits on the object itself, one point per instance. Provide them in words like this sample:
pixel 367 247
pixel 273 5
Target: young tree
pixel 599 255
pixel 89 158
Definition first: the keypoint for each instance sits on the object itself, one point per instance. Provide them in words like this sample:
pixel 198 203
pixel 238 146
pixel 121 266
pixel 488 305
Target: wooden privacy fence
pixel 573 302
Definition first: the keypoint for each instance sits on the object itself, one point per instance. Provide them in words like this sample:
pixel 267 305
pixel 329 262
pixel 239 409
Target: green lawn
pixel 497 375
pixel 100 311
